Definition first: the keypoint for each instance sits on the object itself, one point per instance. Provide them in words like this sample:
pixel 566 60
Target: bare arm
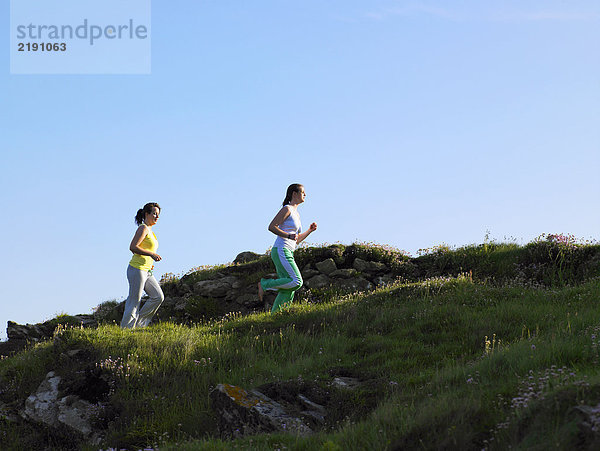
pixel 302 236
pixel 139 236
pixel 277 221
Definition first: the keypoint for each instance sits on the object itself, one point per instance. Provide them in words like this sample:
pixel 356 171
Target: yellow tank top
pixel 145 262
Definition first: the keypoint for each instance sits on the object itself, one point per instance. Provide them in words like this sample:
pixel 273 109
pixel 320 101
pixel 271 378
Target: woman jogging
pixel 139 272
pixel 286 225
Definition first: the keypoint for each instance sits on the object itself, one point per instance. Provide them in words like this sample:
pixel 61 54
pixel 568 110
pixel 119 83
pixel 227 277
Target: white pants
pixel 140 281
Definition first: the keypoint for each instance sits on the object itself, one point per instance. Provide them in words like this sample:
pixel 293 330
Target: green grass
pixel 490 359
pixel 432 381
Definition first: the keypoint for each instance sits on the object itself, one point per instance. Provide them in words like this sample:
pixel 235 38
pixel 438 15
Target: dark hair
pixel 293 188
pixel 141 213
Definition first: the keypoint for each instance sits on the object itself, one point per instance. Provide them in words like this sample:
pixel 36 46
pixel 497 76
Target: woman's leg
pixel 284 298
pixel 150 307
pixel 287 271
pixel 137 279
pixel 289 279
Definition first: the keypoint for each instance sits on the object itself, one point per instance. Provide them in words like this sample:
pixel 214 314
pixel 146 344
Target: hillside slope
pixel 482 347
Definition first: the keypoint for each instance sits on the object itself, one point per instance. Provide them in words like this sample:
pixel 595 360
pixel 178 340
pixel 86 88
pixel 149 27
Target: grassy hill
pixel 487 346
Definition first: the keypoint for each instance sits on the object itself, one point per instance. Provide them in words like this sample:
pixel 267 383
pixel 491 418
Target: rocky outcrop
pixel 210 294
pixel 49 407
pixel 37 332
pixel 242 413
pixel 233 288
pixel 296 406
pixel 327 266
pixel 20 335
pixel 245 257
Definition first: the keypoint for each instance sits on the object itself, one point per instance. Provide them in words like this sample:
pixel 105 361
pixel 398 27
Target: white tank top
pixel 290 225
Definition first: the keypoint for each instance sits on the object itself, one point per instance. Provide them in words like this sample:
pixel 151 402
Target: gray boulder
pixel 76 413
pixel 369 267
pixel 32 332
pixel 316 282
pixel 41 407
pixel 308 273
pixel 360 264
pixel 215 288
pixel 242 413
pixel 48 407
pixel 326 266
pixel 347 383
pixel 345 273
pixel 245 257
pixel 37 332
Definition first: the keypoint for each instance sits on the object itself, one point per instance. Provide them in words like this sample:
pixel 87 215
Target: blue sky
pixel 410 123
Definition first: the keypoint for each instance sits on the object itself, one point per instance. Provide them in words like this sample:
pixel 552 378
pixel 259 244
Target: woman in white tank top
pixel 286 225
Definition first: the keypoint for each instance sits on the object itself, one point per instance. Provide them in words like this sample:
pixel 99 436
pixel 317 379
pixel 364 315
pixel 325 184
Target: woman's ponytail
pixel 141 213
pixel 293 188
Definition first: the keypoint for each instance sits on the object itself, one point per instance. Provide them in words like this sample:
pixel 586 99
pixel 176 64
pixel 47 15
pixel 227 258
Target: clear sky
pixel 410 123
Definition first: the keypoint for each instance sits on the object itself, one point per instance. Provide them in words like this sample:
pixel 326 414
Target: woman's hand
pixel 303 235
pixel 156 257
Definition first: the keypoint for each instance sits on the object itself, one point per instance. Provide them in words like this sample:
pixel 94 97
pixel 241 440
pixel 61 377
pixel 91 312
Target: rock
pixel 215 288
pixel 348 383
pixel 46 406
pixel 360 264
pixel 316 411
pixel 180 305
pixel 41 406
pixel 33 332
pixel 76 413
pixel 326 266
pixel 37 332
pixel 369 267
pixel 242 413
pixel 378 267
pixel 245 257
pixel 308 273
pixel 183 289
pixel 86 320
pixel 344 273
pixel 307 267
pixel 237 284
pixel 316 282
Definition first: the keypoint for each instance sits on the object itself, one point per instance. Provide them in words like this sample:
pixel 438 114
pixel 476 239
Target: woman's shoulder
pixel 286 210
pixel 143 229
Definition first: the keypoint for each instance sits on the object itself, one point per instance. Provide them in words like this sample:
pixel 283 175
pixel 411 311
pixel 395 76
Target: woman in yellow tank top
pixel 139 271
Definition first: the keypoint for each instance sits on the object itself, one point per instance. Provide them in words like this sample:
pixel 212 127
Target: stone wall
pixel 213 293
